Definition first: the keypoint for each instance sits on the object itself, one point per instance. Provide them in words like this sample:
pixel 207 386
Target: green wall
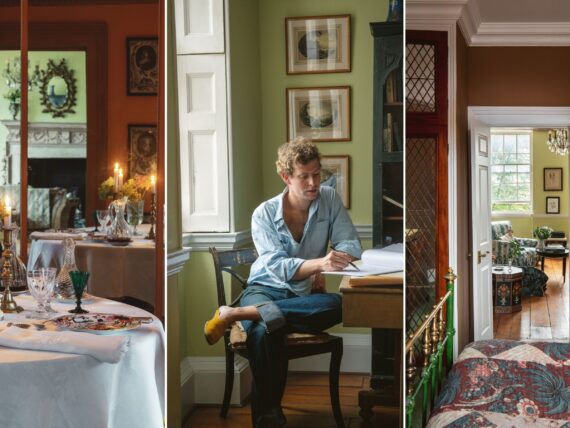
pixel 258 127
pixel 274 81
pixel 543 158
pixel 75 61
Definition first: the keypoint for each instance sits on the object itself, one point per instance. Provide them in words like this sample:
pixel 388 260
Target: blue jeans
pixel 281 312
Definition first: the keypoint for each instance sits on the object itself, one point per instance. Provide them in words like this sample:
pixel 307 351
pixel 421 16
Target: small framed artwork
pixel 552 179
pixel 319 114
pixel 335 173
pixel 318 44
pixel 552 205
pixel 142 65
pixel 142 150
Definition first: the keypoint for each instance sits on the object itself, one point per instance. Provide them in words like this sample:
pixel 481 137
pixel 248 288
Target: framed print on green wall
pixel 552 179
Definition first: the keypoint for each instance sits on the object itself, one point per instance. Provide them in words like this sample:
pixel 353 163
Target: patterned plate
pixel 97 323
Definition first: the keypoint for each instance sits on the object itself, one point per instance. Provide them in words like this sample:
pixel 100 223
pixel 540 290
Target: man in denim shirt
pixel 285 291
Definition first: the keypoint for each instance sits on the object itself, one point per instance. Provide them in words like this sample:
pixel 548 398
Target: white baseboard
pixel 203 378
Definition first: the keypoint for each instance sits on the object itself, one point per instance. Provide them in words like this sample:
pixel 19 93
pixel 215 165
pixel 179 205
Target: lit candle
pixel 153 184
pixel 120 185
pixel 7 212
pixel 116 177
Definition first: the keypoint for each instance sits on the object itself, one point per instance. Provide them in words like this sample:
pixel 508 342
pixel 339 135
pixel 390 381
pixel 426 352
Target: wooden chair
pixel 298 345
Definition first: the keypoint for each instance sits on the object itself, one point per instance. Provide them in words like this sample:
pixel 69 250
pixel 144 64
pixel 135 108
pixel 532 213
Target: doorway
pixel 543 314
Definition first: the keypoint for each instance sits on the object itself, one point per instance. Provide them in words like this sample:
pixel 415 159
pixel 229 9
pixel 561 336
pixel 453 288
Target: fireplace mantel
pixel 45 141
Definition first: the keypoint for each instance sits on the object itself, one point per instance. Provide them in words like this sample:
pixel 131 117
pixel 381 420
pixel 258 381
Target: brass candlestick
pixel 8 304
pixel 151 234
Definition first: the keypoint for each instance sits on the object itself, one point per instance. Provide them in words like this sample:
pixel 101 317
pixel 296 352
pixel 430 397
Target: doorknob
pixel 481 255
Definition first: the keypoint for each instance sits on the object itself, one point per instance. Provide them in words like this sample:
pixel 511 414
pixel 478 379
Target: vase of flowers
pixel 542 233
pixel 13 95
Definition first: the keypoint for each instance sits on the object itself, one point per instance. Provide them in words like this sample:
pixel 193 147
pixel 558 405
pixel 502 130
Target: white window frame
pixel 515 131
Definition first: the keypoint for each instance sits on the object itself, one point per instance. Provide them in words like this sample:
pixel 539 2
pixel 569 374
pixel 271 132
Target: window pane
pixel 523 145
pixel 511 168
pixel 496 143
pixel 524 168
pixel 523 158
pixel 510 143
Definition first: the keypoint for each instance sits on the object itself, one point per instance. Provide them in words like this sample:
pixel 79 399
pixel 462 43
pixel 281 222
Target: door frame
pixel 517 117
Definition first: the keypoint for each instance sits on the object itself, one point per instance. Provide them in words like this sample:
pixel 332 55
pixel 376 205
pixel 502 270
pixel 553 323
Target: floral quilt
pixel 505 383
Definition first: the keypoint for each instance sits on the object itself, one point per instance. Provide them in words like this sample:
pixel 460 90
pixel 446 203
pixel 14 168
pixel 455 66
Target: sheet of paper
pixel 376 261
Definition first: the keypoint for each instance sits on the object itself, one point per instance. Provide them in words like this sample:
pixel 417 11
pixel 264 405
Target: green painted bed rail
pixel 435 339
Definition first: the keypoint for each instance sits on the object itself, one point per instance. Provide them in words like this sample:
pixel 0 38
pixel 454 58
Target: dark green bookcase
pixel 388 142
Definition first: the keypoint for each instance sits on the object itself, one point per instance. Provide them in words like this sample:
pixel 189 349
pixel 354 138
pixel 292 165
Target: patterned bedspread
pixel 505 383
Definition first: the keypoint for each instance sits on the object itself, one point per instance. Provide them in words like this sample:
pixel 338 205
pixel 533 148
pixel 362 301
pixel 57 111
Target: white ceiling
pixel 524 10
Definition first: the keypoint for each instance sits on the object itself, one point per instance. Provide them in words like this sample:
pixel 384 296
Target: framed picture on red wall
pixel 142 65
pixel 142 150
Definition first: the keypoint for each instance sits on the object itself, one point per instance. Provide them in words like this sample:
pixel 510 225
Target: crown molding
pixel 428 10
pixel 522 34
pixel 478 33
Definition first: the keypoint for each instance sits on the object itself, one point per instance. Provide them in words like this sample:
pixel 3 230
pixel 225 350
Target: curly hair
pixel 300 150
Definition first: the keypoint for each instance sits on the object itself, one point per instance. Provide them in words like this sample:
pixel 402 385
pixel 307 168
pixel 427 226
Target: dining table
pixel 67 390
pixel 115 271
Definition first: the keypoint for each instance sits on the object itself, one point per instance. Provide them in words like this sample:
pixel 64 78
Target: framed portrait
pixel 319 114
pixel 335 173
pixel 318 44
pixel 142 65
pixel 142 150
pixel 552 205
pixel 552 179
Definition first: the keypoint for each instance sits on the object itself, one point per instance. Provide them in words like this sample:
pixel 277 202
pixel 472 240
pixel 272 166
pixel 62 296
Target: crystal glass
pixel 79 280
pixel 41 283
pixel 135 212
pixel 64 287
pixel 103 217
pixel 120 229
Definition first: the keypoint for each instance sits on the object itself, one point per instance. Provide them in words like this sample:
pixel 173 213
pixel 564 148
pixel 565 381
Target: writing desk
pixel 381 309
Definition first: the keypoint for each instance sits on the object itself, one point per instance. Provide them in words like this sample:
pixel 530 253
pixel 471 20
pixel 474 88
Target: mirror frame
pixel 62 71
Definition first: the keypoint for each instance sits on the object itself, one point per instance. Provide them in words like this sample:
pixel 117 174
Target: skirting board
pixel 203 378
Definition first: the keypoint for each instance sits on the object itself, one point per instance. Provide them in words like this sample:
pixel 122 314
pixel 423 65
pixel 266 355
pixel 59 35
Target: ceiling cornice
pixel 478 33
pixel 424 10
pixel 14 3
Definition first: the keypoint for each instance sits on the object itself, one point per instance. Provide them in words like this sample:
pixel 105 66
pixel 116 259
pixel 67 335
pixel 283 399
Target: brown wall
pixel 462 168
pixel 122 21
pixel 519 76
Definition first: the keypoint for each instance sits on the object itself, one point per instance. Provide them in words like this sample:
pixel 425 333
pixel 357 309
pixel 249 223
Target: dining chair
pixel 298 345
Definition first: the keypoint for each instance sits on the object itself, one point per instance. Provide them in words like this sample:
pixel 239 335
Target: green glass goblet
pixel 79 281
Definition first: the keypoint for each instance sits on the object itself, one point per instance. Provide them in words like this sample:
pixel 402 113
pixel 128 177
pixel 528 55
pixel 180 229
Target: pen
pixel 350 263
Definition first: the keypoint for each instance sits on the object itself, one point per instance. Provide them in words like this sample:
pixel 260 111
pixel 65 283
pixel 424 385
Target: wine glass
pixel 103 217
pixel 135 212
pixel 41 283
pixel 79 281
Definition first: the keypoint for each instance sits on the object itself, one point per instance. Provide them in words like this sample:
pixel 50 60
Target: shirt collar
pixel 278 218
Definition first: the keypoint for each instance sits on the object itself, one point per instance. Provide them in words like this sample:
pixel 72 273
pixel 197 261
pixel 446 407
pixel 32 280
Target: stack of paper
pixel 376 261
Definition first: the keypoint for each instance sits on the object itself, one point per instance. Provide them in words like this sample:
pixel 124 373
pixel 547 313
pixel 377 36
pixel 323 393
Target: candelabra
pixel 8 304
pixel 151 234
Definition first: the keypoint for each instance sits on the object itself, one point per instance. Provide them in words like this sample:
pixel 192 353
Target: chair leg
pixel 336 357
pixel 229 382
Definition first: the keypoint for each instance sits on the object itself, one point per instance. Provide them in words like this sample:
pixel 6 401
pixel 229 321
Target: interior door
pixel 481 215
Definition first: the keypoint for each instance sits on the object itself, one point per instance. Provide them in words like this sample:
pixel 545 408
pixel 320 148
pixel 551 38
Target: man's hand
pixel 319 284
pixel 335 260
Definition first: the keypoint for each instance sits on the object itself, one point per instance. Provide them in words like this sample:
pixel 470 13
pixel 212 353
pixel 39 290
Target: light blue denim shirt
pixel 280 255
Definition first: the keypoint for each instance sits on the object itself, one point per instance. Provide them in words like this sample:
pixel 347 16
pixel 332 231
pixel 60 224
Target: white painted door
pixel 481 215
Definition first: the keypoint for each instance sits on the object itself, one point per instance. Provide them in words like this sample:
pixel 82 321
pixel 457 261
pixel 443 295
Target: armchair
pixel 534 280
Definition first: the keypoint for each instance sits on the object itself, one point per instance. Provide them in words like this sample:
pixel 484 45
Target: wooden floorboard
pixel 541 318
pixel 306 404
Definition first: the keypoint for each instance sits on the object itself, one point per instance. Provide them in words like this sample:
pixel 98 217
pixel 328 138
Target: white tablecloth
pixel 115 271
pixel 56 390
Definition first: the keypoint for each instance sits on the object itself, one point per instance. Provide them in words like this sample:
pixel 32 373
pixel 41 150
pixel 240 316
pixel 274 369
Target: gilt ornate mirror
pixel 58 89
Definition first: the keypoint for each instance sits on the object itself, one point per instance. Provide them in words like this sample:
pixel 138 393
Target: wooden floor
pixel 541 318
pixel 306 404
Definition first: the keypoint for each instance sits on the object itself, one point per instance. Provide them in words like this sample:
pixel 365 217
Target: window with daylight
pixel 511 177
